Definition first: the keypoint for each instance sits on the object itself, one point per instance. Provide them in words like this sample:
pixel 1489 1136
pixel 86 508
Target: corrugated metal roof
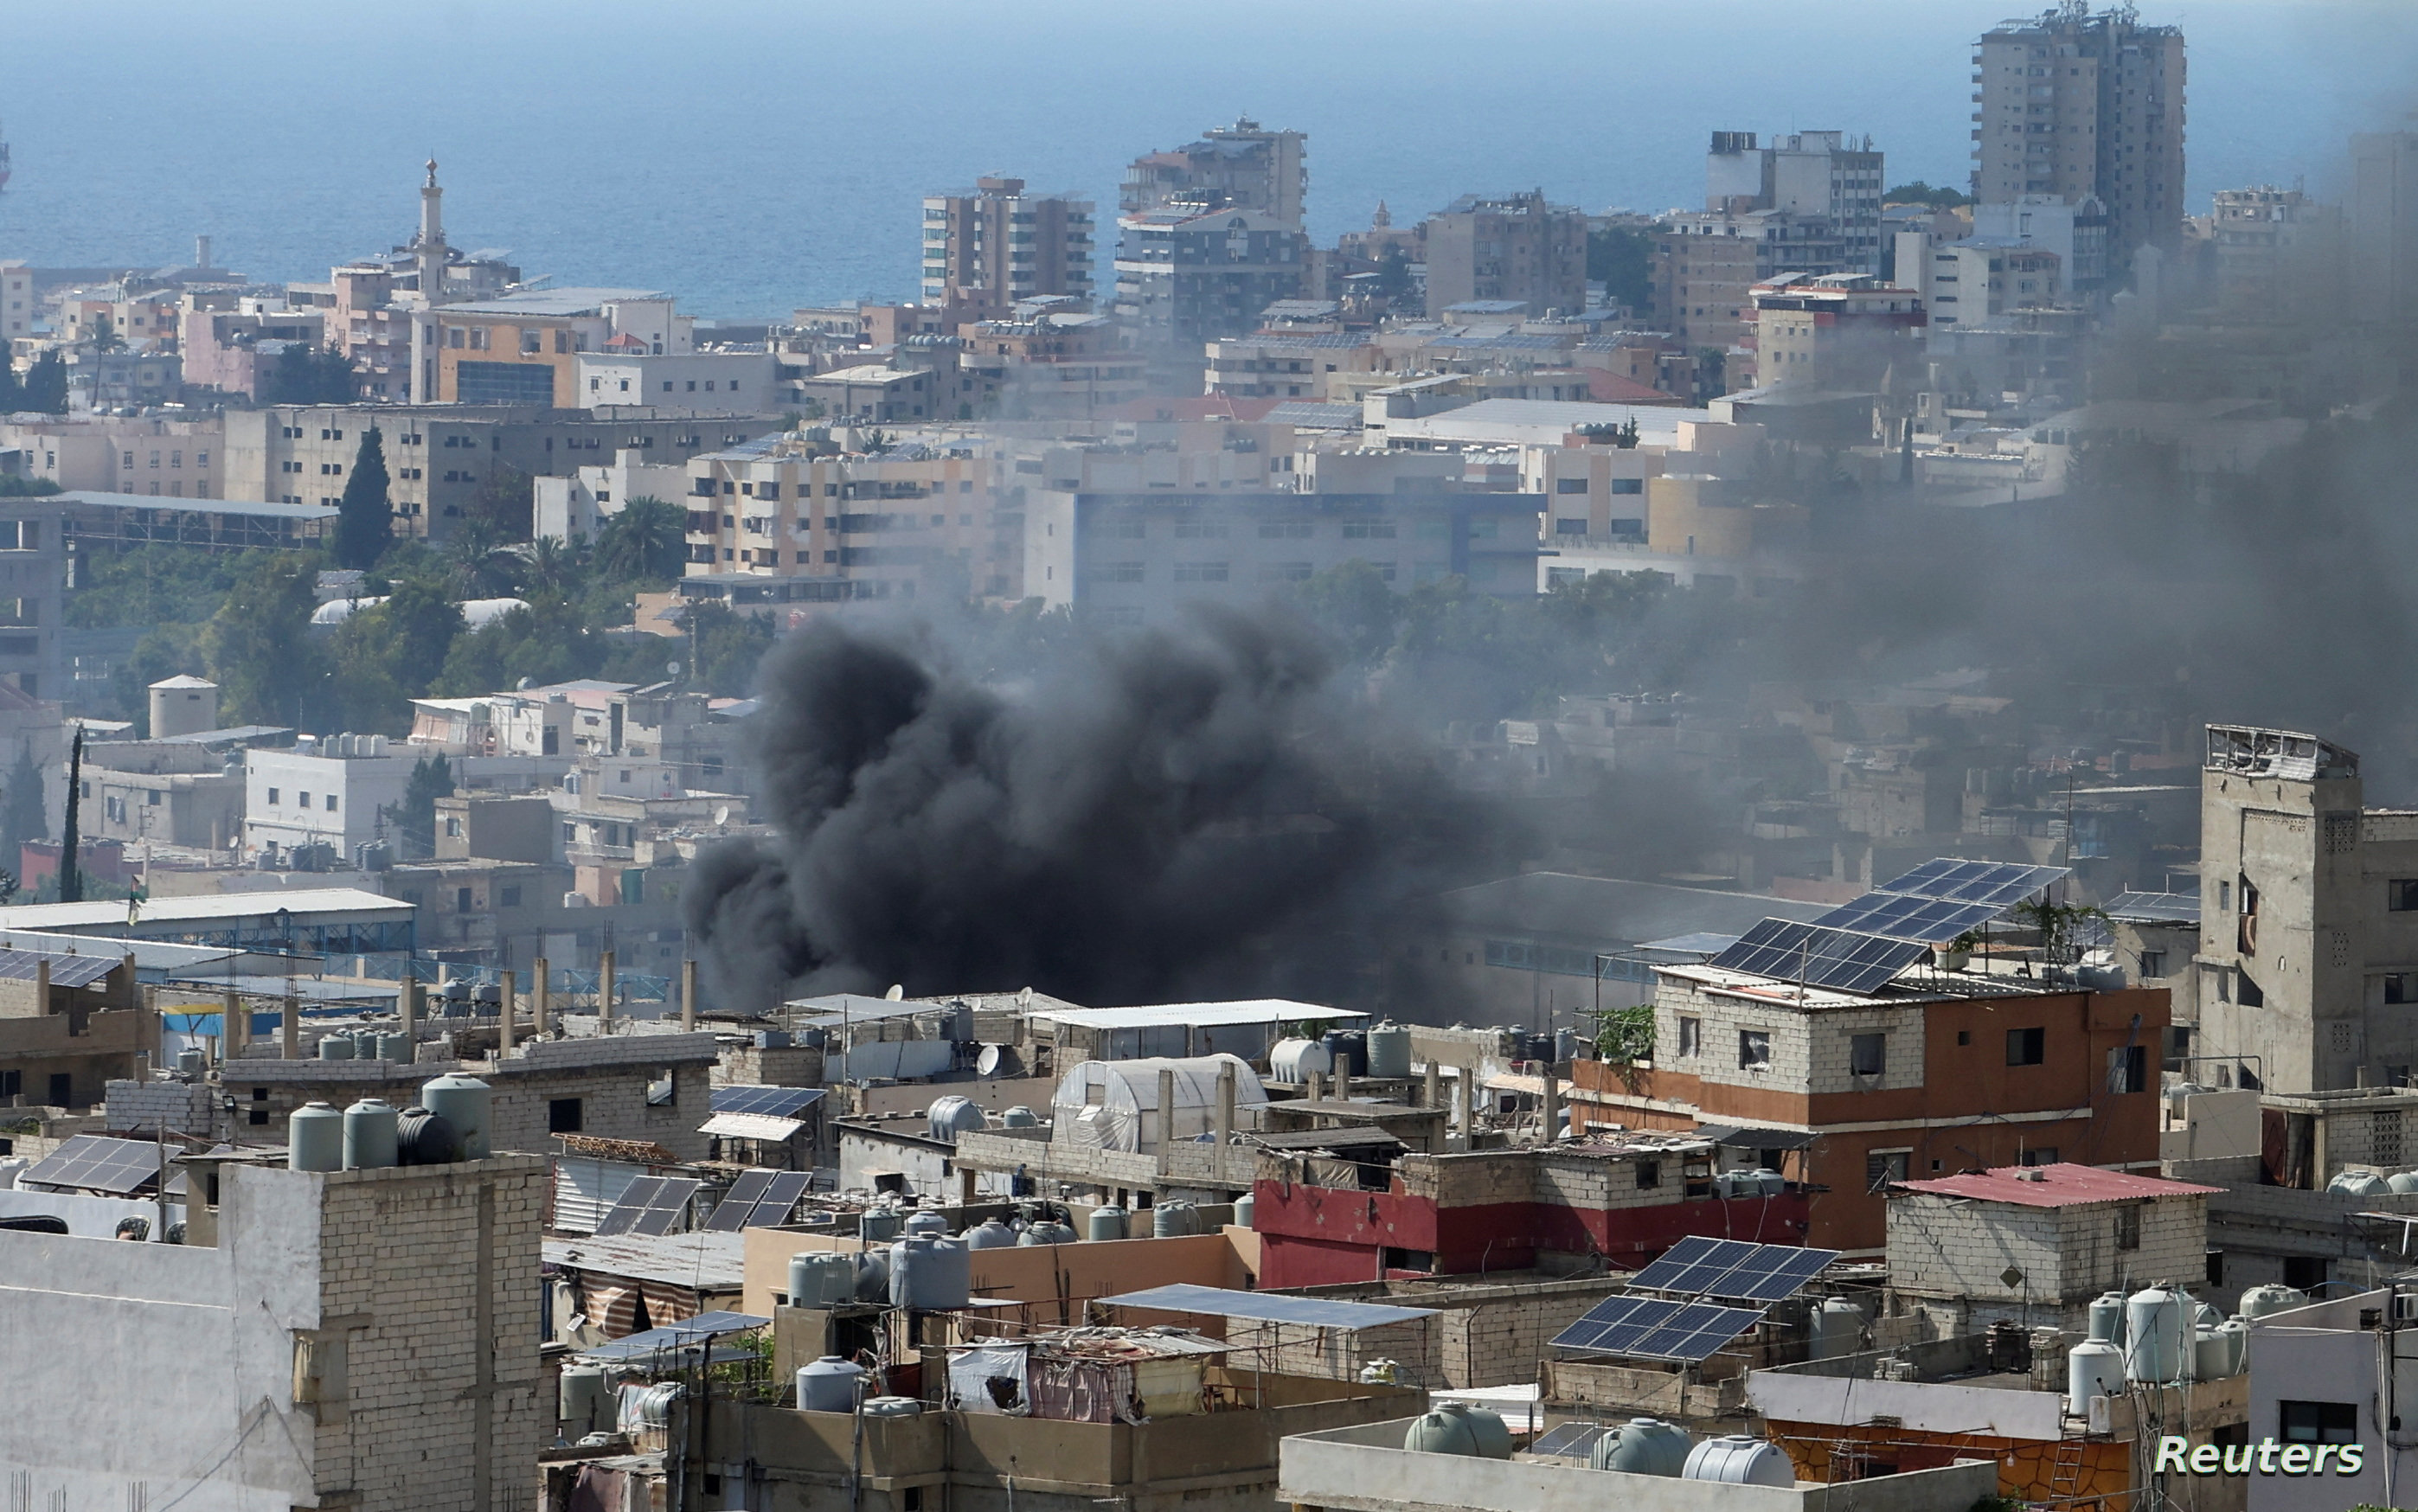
pixel 2059 1185
pixel 66 970
pixel 1256 1011
pixel 703 1261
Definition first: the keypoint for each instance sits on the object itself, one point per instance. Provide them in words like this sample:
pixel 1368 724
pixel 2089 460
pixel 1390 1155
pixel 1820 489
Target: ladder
pixel 2065 1471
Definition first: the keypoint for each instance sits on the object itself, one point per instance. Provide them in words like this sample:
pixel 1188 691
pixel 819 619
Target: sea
pixel 753 157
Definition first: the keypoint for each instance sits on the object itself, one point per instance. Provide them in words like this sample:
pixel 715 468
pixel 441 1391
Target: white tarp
pixel 1115 1104
pixel 990 1378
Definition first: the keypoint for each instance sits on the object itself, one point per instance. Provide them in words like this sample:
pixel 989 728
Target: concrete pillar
pixel 1551 1107
pixel 1312 1086
pixel 1225 1117
pixel 234 1025
pixel 42 987
pixel 537 997
pixel 1343 1082
pixel 408 1009
pixel 507 1003
pixel 1465 1097
pixel 605 989
pixel 290 1044
pixel 1435 1086
pixel 688 995
pixel 1166 1108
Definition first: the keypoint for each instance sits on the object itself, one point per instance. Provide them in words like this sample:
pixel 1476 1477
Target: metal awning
pixel 1267 1307
pixel 689 1333
pixel 1733 1137
pixel 751 1126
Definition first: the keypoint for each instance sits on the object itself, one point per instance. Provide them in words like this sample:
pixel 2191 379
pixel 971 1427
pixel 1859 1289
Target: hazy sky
pixel 750 156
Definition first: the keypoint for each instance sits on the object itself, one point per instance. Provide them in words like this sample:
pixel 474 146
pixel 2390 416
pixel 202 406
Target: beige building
pixel 993 245
pixel 853 526
pixel 1842 331
pixel 16 302
pixel 2279 254
pixel 123 454
pixel 1705 263
pixel 1510 247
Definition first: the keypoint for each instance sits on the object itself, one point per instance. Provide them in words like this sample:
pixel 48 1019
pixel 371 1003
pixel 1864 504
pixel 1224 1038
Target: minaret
pixel 433 257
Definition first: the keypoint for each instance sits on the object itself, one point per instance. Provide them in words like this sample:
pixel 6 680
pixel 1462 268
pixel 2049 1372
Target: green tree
pixel 1359 611
pixel 46 384
pixel 1393 274
pixel 13 486
pixel 268 669
pixel 104 334
pixel 304 374
pixel 725 647
pixel 364 518
pixel 1621 258
pixel 648 538
pixel 386 654
pixel 24 817
pixel 1918 192
pixel 12 392
pixel 431 779
pixel 506 504
pixel 167 650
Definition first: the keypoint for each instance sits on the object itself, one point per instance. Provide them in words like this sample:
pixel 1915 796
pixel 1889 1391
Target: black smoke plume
pixel 1157 815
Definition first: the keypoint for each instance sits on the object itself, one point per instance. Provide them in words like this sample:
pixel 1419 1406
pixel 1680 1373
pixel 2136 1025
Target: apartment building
pixel 439 457
pixel 17 302
pixel 1187 276
pixel 525 348
pixel 1705 263
pixel 32 597
pixel 2384 225
pixel 2308 943
pixel 2077 233
pixel 344 791
pixel 123 454
pixel 1823 174
pixel 1508 247
pixel 2279 254
pixel 2081 105
pixel 993 245
pixel 235 351
pixel 1054 366
pixel 574 507
pixel 1243 166
pixel 1840 331
pixel 701 383
pixel 867 526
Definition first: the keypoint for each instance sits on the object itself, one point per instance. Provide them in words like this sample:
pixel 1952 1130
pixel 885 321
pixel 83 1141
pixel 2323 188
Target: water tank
pixel 829 1385
pixel 1838 1328
pixel 8 1169
pixel 925 1223
pixel 1019 1117
pixel 2259 1301
pixel 1049 1231
pixel 821 1278
pixel 370 1134
pixel 1769 1183
pixel 2403 1181
pixel 1735 1459
pixel 953 1116
pixel 1105 1223
pixel 892 1406
pixel 2359 1183
pixel 1175 1220
pixel 1455 1427
pixel 192 1060
pixel 1643 1446
pixel 991 1233
pixel 1292 1061
pixel 2237 1338
pixel 1566 1043
pixel 467 1103
pixel 1348 1050
pixel 873 1275
pixel 881 1223
pixel 314 1138
pixel 771 1039
pixel 2212 1353
pixel 423 1138
pixel 1389 1050
pixel 583 1401
pixel 335 1047
pixel 2154 1327
pixel 394 1048
pixel 652 1408
pixel 930 1273
pixel 1245 1208
pixel 2094 1367
pixel 2107 1317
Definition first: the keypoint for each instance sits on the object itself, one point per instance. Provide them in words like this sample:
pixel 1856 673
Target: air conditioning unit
pixel 2405 1307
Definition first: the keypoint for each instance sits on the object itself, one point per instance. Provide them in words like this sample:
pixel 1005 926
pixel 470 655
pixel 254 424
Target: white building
pixel 574 508
pixel 2077 233
pixel 1806 173
pixel 720 383
pixel 339 791
pixel 16 301
pixel 2318 1377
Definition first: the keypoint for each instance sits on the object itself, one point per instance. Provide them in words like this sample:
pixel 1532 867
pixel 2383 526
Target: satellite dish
pixel 522 686
pixel 672 667
pixel 1024 999
pixel 721 816
pixel 895 993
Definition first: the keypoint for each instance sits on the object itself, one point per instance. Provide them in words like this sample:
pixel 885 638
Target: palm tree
pixel 547 565
pixel 649 538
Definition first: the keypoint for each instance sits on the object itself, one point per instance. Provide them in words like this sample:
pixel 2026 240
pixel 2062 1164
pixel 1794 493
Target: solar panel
pixel 66 970
pixel 2156 907
pixel 664 1209
pixel 1837 959
pixel 1974 881
pixel 731 1214
pixel 1573 1439
pixel 788 1187
pixel 97 1163
pixel 630 1206
pixel 1266 1306
pixel 1898 917
pixel 773 1102
pixel 1702 1267
pixel 1657 1329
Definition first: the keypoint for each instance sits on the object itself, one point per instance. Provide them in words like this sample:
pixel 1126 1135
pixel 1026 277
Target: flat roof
pixel 1253 1011
pixel 111 913
pixel 100 498
pixel 1267 1307
pixel 573 301
pixel 700 1260
pixel 2059 1185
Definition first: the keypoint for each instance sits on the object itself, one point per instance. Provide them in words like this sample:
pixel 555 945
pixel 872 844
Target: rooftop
pixel 557 303
pixel 2059 1185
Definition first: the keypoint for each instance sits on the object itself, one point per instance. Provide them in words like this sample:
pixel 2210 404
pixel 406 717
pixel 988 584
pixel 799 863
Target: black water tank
pixel 426 1138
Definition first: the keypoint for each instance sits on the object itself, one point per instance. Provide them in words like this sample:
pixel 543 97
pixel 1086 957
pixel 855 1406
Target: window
pixel 2401 987
pixel 1691 1038
pixel 1649 1175
pixel 1628 485
pixel 662 1090
pixel 2153 965
pixel 1882 1166
pixel 510 897
pixel 2026 1046
pixel 563 1115
pixel 1867 1055
pixel 2304 1272
pixel 2225 896
pixel 1569 527
pixel 2128 1227
pixel 302 798
pixel 331 802
pixel 2128 1068
pixel 461 900
pixel 2317 1422
pixel 1570 485
pixel 2401 894
pixel 272 795
pixel 1964 1036
pixel 1754 1049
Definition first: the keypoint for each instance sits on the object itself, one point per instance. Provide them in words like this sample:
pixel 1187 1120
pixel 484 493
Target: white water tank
pixel 991 1233
pixel 370 1134
pixel 1389 1051
pixel 314 1138
pixel 952 1116
pixel 2107 1317
pixel 1735 1459
pixel 930 1273
pixel 2259 1301
pixel 1643 1446
pixel 468 1104
pixel 2153 1328
pixel 1292 1062
pixel 1838 1328
pixel 2359 1183
pixel 183 706
pixel 2094 1367
pixel 829 1385
pixel 821 1278
pixel 892 1406
pixel 583 1401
